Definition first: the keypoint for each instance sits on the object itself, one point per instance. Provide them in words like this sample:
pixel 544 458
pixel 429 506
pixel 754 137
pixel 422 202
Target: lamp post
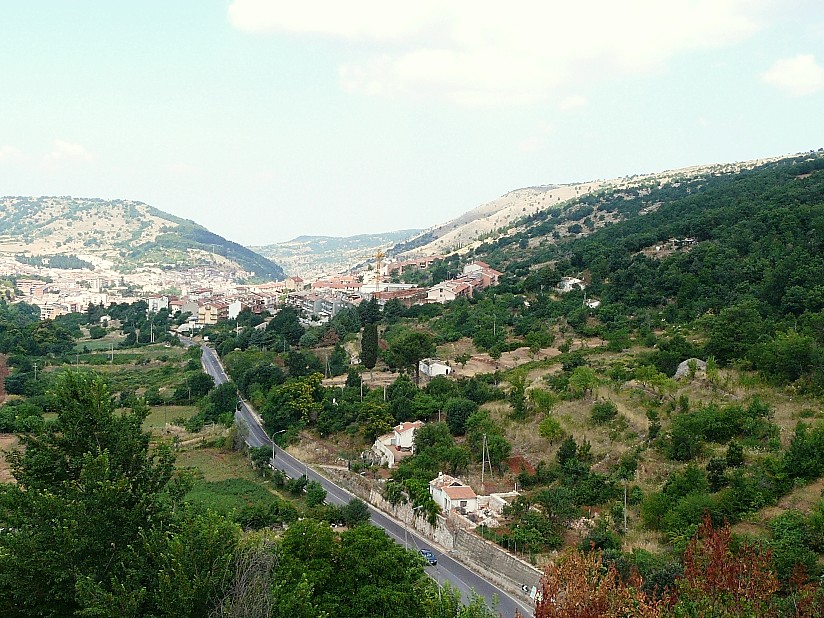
pixel 406 526
pixel 273 444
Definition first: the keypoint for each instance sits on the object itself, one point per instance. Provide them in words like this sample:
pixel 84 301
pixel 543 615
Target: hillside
pixel 686 246
pixel 503 215
pixel 313 255
pixel 120 234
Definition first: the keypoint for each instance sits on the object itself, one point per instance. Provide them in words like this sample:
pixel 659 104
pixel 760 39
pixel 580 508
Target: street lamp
pixel 273 444
pixel 406 526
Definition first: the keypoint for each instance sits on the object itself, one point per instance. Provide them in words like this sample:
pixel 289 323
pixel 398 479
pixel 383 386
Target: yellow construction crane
pixel 378 257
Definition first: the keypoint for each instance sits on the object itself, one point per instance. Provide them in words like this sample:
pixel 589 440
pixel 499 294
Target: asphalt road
pixel 448 569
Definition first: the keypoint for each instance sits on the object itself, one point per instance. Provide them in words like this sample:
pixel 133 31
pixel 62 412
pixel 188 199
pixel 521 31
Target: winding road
pixel 448 568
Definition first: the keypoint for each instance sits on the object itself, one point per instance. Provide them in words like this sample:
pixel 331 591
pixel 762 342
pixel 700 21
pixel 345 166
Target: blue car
pixel 429 556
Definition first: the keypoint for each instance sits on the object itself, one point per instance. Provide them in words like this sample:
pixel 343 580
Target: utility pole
pixel 483 461
pixel 35 371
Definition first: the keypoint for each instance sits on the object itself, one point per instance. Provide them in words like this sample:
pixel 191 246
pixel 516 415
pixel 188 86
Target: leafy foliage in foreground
pixel 96 522
pixel 721 578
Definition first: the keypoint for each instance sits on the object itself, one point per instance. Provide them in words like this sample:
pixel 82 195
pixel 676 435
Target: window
pixel 463 503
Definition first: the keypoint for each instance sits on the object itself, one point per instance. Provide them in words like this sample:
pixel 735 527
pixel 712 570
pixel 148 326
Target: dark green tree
pixel 458 410
pixel 411 348
pixel 338 361
pixel 369 345
pixel 97 521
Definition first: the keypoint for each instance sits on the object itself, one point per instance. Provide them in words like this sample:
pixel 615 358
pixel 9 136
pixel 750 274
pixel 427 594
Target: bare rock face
pixel 683 370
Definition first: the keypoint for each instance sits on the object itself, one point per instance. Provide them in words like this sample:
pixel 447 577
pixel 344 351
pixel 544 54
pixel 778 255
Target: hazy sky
pixel 263 120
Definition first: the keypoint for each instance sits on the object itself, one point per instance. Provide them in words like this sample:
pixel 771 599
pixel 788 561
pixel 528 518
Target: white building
pixel 156 303
pixel 449 493
pixel 431 367
pixel 392 447
pixel 568 284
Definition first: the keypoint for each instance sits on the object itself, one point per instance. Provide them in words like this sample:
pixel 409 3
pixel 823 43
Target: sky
pixel 265 120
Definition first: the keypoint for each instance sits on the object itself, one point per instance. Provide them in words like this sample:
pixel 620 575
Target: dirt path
pixel 7 441
pixel 802 499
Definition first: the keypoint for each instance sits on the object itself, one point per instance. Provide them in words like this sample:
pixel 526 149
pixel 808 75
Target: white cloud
pixel 65 152
pixel 181 169
pixel 575 101
pixel 797 76
pixel 537 140
pixel 476 52
pixel 10 154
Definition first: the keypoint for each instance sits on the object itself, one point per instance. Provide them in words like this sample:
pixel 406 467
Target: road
pixel 448 569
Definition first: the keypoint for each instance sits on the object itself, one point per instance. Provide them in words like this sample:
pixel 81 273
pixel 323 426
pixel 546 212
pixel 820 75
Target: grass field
pixel 160 415
pixel 228 495
pixel 216 464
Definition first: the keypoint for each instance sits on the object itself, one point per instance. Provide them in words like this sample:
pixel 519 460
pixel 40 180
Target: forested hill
pixel 124 232
pixel 687 246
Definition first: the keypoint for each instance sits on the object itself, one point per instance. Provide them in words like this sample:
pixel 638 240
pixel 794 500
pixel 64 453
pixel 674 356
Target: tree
pixel 298 401
pixel 734 331
pixel 286 323
pixel 582 381
pixel 567 451
pixel 721 579
pixel 369 346
pixel 401 393
pixel 411 348
pixel 315 494
pixel 370 312
pixel 98 522
pixel 355 512
pixel 604 411
pixel 199 384
pixel 550 429
pixel 580 585
pixel 458 410
pixel 260 456
pixel 338 361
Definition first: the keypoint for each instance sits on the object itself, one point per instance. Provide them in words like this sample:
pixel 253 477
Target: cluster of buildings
pixel 453 496
pixel 213 295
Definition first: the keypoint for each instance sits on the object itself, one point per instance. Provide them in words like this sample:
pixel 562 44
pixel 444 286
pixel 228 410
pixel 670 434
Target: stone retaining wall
pixel 482 556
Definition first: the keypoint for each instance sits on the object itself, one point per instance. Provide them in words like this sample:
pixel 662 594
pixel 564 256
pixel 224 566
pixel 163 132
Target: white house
pixel 431 367
pixel 568 284
pixel 155 303
pixel 449 493
pixel 447 291
pixel 392 447
pixel 235 307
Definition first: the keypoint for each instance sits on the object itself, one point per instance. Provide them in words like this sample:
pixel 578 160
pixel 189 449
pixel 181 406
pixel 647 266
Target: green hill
pixel 126 233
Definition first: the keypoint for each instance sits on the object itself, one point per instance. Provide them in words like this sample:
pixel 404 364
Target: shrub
pixel 604 412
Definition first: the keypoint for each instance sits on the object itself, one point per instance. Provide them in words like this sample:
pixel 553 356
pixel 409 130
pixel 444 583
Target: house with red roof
pixel 397 445
pixel 450 493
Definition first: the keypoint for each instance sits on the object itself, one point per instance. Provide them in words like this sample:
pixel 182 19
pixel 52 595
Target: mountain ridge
pixel 124 234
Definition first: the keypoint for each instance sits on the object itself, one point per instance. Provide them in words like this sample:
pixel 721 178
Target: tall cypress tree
pixel 369 346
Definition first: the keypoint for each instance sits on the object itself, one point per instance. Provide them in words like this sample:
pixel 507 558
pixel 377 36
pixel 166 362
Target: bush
pixel 604 412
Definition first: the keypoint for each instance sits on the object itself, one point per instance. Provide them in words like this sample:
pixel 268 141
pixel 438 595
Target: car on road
pixel 429 556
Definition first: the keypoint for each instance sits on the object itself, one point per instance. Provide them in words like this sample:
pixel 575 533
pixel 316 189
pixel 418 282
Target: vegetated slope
pixel 503 215
pixel 309 255
pixel 687 246
pixel 123 232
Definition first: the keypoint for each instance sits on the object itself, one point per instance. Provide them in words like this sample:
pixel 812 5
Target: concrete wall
pixel 482 556
pixel 492 560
